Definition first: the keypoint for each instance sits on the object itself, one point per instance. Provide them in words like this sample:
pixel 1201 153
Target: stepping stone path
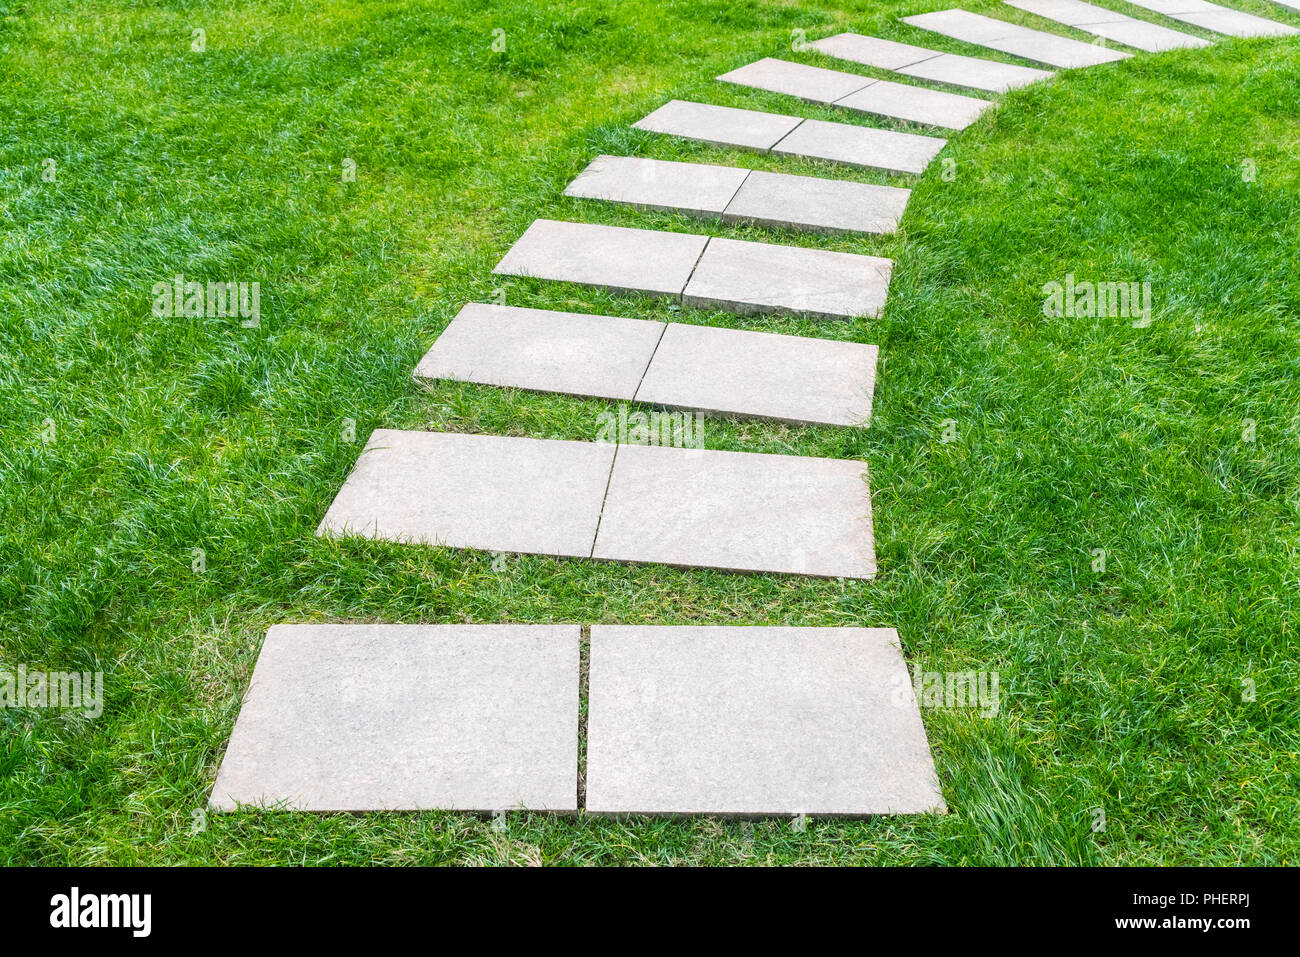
pixel 737 511
pixel 882 97
pixel 735 720
pixel 1109 24
pixel 733 372
pixel 929 64
pixel 1211 16
pixel 405 717
pixel 790 136
pixel 737 195
pixel 744 277
pixel 681 720
pixel 1010 38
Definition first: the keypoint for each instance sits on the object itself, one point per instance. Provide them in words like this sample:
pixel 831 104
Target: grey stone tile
pixel 754 721
pixel 1012 38
pixel 872 51
pixel 1211 16
pixel 546 351
pixel 736 372
pixel 500 493
pixel 917 104
pixel 809 202
pixel 696 188
pixel 1110 25
pixel 738 511
pixel 407 717
pixel 750 277
pixel 975 73
pixel 611 257
pixel 812 83
pixel 720 125
pixel 861 146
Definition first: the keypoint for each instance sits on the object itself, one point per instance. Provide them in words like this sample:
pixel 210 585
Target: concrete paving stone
pixel 720 125
pixel 861 146
pixel 748 277
pixel 1211 16
pixel 929 64
pixel 408 717
pixel 975 73
pixel 916 104
pixel 1289 4
pixel 500 493
pixel 809 202
pixel 813 83
pixel 872 51
pixel 738 511
pixel 1110 25
pixel 567 352
pixel 754 721
pixel 696 188
pixel 793 379
pixel 1012 38
pixel 610 257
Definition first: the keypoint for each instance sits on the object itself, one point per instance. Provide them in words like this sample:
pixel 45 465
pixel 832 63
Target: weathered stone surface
pixel 861 146
pixel 754 721
pixel 738 511
pixel 813 83
pixel 736 372
pixel 750 277
pixel 1012 38
pixel 929 64
pixel 720 125
pixel 1211 16
pixel 696 188
pixel 872 51
pixel 825 205
pixel 1109 24
pixel 408 717
pixel 916 104
pixel 491 492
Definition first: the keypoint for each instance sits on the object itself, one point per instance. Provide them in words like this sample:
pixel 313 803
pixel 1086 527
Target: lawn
pixel 1148 708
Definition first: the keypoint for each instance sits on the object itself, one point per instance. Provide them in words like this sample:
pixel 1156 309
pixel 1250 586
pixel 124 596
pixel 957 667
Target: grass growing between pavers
pixel 1157 689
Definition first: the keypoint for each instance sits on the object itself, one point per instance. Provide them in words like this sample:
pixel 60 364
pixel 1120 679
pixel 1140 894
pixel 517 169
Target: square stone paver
pixel 1012 38
pixel 546 351
pixel 754 721
pixel 975 73
pixel 408 717
pixel 498 493
pixel 736 372
pixel 1110 25
pixel 750 277
pixel 872 51
pixel 809 202
pixel 916 104
pixel 861 146
pixel 738 511
pixel 696 188
pixel 812 83
pixel 610 257
pixel 720 125
pixel 1211 16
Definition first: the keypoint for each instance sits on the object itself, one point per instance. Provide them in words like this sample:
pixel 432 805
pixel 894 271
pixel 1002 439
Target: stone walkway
pixel 719 720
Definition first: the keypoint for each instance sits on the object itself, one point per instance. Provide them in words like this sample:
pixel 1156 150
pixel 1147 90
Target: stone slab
pixel 738 511
pixel 916 104
pixel 566 352
pixel 793 379
pixel 1112 26
pixel 929 64
pixel 499 493
pixel 754 721
pixel 694 188
pixel 861 146
pixel 610 257
pixel 825 205
pixel 719 125
pixel 813 83
pixel 408 717
pixel 1012 38
pixel 749 277
pixel 1217 19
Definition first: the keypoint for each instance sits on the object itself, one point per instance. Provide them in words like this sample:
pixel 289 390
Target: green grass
pixel 1120 690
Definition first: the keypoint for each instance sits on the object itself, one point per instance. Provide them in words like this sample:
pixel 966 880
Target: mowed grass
pixel 1161 690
